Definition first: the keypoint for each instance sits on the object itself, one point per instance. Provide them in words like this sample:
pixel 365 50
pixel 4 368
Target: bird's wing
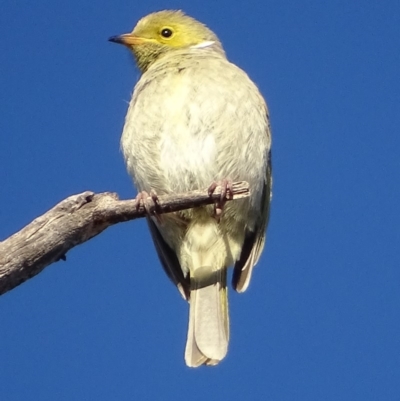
pixel 169 261
pixel 254 240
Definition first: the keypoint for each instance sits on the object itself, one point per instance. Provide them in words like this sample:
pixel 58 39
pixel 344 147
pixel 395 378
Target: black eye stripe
pixel 166 33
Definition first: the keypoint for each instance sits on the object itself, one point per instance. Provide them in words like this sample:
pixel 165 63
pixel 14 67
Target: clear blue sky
pixel 320 320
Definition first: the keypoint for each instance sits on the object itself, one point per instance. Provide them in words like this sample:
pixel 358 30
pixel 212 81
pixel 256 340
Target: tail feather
pixel 193 356
pixel 208 333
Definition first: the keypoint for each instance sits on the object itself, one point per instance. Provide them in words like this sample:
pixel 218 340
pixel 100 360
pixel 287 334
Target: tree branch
pixel 77 219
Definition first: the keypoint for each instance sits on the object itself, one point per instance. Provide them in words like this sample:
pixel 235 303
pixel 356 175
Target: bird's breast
pixel 188 127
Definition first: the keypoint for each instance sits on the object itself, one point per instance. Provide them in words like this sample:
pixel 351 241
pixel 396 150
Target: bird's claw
pixel 149 202
pixel 226 193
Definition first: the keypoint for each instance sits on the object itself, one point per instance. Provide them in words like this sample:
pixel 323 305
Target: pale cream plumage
pixel 194 119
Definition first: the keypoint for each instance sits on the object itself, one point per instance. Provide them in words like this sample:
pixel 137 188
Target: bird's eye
pixel 166 33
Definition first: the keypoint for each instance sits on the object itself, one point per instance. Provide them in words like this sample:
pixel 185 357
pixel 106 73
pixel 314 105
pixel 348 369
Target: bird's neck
pixel 147 56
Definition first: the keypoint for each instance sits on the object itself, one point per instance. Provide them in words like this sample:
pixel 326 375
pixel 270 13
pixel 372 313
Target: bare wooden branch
pixel 78 218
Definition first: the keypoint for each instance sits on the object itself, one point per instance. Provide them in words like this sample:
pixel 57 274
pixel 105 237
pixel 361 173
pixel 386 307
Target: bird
pixel 196 120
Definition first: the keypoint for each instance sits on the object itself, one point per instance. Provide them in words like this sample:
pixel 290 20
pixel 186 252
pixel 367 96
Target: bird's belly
pixel 188 162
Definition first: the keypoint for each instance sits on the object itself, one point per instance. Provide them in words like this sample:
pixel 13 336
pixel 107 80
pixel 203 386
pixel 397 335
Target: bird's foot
pixel 149 202
pixel 226 193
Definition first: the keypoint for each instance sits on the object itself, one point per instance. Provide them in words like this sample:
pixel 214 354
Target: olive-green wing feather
pixel 254 240
pixel 169 261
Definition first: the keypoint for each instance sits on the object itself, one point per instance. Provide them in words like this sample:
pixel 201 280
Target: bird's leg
pixel 149 202
pixel 226 193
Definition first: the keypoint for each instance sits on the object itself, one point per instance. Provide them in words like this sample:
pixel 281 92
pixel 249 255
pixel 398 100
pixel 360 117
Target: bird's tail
pixel 208 333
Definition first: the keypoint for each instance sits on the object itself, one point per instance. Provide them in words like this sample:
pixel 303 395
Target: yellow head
pixel 163 32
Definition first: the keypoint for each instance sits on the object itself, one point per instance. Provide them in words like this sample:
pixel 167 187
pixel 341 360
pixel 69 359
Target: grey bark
pixel 76 219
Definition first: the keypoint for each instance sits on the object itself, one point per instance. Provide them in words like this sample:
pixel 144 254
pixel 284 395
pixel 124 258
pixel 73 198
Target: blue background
pixel 321 318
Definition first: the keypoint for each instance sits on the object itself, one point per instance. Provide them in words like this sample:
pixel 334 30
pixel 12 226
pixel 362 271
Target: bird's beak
pixel 128 39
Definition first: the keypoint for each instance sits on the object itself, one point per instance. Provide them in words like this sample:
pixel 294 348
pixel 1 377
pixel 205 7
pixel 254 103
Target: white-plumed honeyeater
pixel 195 120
